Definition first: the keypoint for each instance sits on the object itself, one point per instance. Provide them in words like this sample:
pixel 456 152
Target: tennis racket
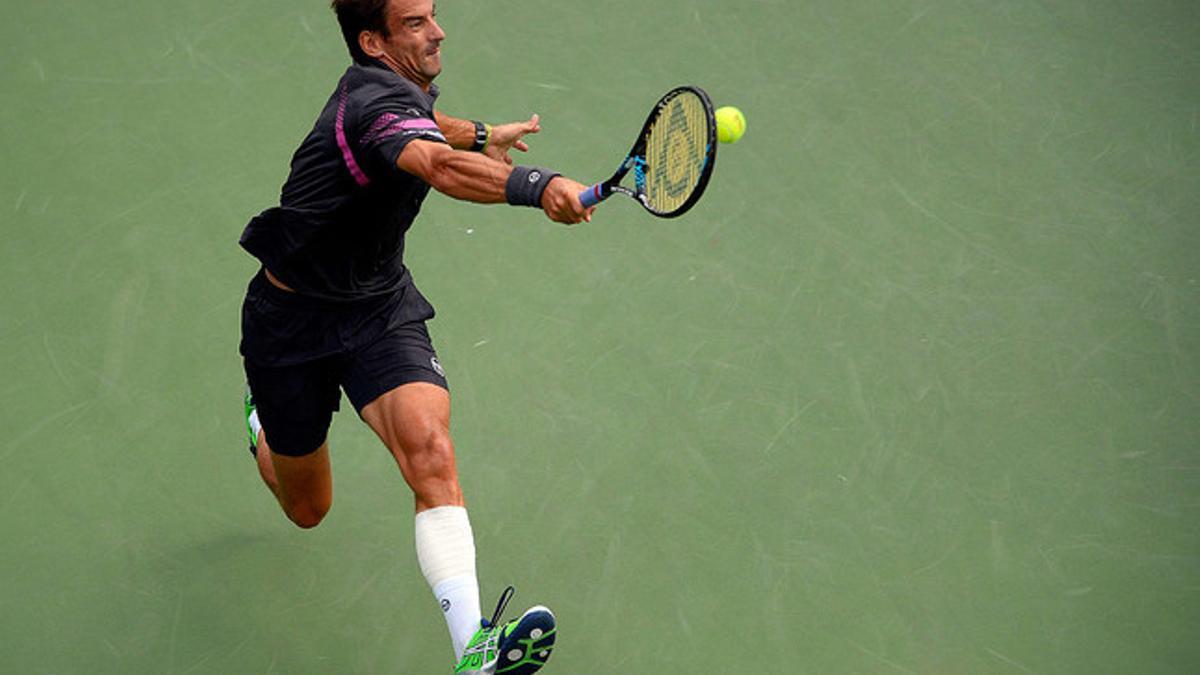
pixel 672 158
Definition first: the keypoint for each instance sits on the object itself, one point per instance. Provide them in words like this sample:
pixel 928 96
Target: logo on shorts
pixel 437 366
pixel 446 605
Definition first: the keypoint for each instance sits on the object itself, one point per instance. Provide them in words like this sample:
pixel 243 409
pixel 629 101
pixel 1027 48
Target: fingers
pixel 561 202
pixel 519 129
pixel 506 137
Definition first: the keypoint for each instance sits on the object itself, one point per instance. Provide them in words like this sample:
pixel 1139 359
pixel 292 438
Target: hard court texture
pixel 914 389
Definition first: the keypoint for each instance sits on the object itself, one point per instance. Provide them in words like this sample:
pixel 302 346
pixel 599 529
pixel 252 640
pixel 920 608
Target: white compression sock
pixel 446 553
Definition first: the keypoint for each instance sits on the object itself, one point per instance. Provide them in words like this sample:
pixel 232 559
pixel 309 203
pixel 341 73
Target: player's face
pixel 413 44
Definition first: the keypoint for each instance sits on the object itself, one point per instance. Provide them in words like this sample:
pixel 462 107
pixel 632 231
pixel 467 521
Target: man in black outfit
pixel 334 308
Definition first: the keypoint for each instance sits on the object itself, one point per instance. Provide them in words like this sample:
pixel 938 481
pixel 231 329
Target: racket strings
pixel 676 152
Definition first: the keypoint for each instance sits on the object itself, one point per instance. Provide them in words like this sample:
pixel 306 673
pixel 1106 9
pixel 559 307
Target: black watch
pixel 482 134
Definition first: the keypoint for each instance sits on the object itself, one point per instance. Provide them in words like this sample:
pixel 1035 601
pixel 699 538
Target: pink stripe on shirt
pixel 344 145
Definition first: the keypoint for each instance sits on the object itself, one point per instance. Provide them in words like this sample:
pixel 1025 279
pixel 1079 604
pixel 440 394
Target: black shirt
pixel 338 233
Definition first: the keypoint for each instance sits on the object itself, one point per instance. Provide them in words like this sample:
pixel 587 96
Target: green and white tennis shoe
pixel 251 420
pixel 518 647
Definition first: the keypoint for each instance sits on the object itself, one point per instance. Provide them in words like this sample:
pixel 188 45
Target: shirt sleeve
pixel 387 122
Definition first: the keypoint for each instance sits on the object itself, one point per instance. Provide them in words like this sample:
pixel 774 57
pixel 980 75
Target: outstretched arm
pixel 502 138
pixel 474 177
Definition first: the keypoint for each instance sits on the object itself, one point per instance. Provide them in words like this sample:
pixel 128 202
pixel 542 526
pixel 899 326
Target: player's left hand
pixel 506 137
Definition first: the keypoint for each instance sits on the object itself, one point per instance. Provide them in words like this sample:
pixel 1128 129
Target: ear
pixel 371 43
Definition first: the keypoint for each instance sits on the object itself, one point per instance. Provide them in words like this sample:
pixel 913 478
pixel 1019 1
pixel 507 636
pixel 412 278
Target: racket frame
pixel 636 160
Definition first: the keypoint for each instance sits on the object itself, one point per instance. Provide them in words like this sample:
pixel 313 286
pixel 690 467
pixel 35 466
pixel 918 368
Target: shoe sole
pixel 527 648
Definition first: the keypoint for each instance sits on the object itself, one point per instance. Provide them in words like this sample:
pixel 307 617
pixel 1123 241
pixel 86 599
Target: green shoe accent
pixel 248 401
pixel 480 652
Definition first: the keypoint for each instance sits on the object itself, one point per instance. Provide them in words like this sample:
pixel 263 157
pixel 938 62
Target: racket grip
pixel 592 196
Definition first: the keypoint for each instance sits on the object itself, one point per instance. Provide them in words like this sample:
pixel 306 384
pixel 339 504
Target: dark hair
pixel 355 16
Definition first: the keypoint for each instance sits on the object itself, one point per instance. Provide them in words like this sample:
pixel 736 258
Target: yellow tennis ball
pixel 731 124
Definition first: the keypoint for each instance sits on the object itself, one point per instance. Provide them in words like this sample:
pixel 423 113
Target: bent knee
pixel 430 471
pixel 433 458
pixel 307 515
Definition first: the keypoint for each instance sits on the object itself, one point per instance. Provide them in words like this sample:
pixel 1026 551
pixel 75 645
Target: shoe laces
pixel 503 603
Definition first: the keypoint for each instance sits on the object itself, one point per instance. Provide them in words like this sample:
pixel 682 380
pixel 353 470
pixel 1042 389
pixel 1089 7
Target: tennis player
pixel 333 306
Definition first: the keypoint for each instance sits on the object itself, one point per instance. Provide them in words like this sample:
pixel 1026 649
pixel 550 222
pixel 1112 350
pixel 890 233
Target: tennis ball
pixel 731 124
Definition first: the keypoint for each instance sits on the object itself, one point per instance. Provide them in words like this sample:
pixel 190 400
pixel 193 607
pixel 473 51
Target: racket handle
pixel 593 196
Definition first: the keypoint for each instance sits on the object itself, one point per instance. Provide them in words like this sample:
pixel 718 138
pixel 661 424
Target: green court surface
pixel 914 389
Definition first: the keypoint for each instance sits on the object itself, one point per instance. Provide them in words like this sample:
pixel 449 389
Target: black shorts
pixel 299 352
